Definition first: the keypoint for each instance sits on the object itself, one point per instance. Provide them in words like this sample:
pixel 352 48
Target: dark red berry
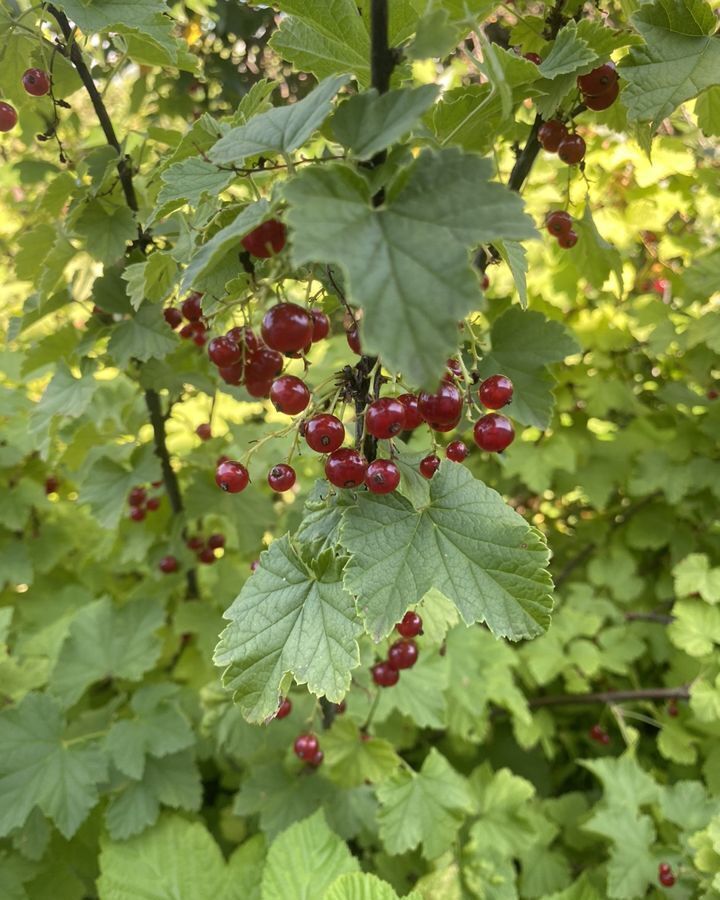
pixel 223 351
pixel 51 484
pixel 244 337
pixel 599 735
pixel 429 466
pixel 168 564
pixel 204 431
pixel 36 82
pixel 321 325
pixel 284 709
pixel 340 708
pixel 456 451
pixel 206 556
pixel 199 334
pixel 137 513
pixel 403 654
pixel 232 374
pixel 533 58
pixel 263 364
pixel 604 100
pixel 153 504
pixel 156 484
pixel 672 709
pixel 550 135
pixel 8 117
pixel 255 565
pixel 353 339
pixel 324 433
pixel 173 316
pixel 287 327
pixel 485 283
pixel 599 80
pixel 346 468
pixel 666 879
pixel 571 149
pixel 192 307
pixel 289 395
pixel 443 407
pixel 216 541
pixel 496 391
pixel 558 222
pixel 137 496
pixel 232 476
pixel 306 746
pixel 382 476
pixel 385 418
pixel 187 331
pixel 493 433
pixel 410 626
pixel 384 675
pixel 258 388
pixel 281 477
pixel 444 426
pixel 413 418
pixel 664 867
pixel 195 543
pixel 568 241
pixel 266 240
pixel 317 759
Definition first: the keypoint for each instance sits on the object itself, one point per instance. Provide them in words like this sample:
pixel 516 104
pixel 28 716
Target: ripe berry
pixel 153 504
pixel 664 867
pixel 173 316
pixel 281 477
pixel 194 543
pixel 604 100
pixel 317 759
pixel 192 307
pixel 324 433
pixel 384 675
pixel 36 82
pixel 263 364
pixel 449 426
pixel 204 431
pixel 168 564
pixel 382 476
pixel 266 240
pixel 443 407
pixel 8 117
pixel 51 484
pixel 289 395
pixel 429 466
pixel 255 565
pixel 413 418
pixel 232 477
pixel 385 417
pixel 410 626
pixel 321 325
pixel 187 331
pixel 571 149
pixel 597 733
pixel 346 468
pixel 493 433
pixel 284 709
pixel 137 513
pixel 287 327
pixel 340 708
pixel 558 222
pixel 533 58
pixel 403 654
pixel 244 337
pixel 258 388
pixel 206 556
pixel 232 374
pixel 306 746
pixel 550 135
pixel 672 709
pixel 353 339
pixel 223 351
pixel 216 541
pixel 456 451
pixel 599 80
pixel 496 391
pixel 568 241
pixel 137 496
pixel 666 879
pixel 199 334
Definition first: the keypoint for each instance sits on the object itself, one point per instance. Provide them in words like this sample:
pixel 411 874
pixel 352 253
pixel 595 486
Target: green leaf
pixel 696 628
pixel 593 256
pixel 363 886
pixel 283 129
pixel 707 110
pixel 65 395
pixel 693 575
pixel 106 230
pixel 426 807
pixel 568 54
pixel 680 59
pixel 150 280
pixel 107 484
pixel 515 255
pixel 351 761
pixel 504 821
pixel 368 123
pixel 625 783
pixel 289 619
pixel 106 641
pixel 631 867
pixel 687 804
pixel 420 693
pixel 144 336
pixel 397 259
pixel 39 769
pixel 191 180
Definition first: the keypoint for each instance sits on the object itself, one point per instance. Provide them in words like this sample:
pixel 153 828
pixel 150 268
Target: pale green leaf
pixel 631 867
pixel 625 783
pixel 568 54
pixel 515 255
pixel 106 485
pixel 144 336
pixel 707 110
pixel 363 886
pixel 696 627
pixel 420 692
pixel 351 761
pixel 106 230
pixel 192 179
pixel 694 575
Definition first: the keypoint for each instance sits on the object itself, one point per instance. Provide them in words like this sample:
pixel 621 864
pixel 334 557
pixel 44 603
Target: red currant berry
pixel 317 759
pixel 550 135
pixel 287 327
pixel 187 331
pixel 604 100
pixel 568 241
pixel 558 222
pixel 597 733
pixel 324 433
pixel 266 240
pixel 444 427
pixel 382 476
pixel 8 117
pixel 485 283
pixel 384 675
pixel 664 867
pixel 281 477
pixel 353 339
pixel 137 513
pixel 346 468
pixel 216 541
pixel 413 418
pixel 321 325
pixel 244 337
pixel 36 82
pixel 672 709
pixel 192 307
pixel 410 626
pixel 456 451
pixel 204 431
pixel 263 363
pixel 51 484
pixel 666 879
pixel 224 352
pixel 254 565
pixel 289 395
pixel 173 316
pixel 258 387
pixel 306 746
pixel 496 391
pixel 385 418
pixel 232 476
pixel 168 564
pixel 340 708
pixel 153 504
pixel 533 58
pixel 198 333
pixel 206 556
pixel 442 407
pixel 429 466
pixel 599 80
pixel 232 374
pixel 156 484
pixel 571 149
pixel 403 654
pixel 284 709
pixel 493 433
pixel 195 543
pixel 137 496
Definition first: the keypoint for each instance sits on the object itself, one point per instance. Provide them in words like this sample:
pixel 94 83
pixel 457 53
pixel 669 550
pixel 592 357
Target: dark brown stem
pixel 659 618
pixel 610 697
pixel 526 158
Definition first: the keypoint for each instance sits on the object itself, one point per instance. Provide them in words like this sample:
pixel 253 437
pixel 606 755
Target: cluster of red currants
pixel 599 735
pixel 555 138
pixel 37 84
pixel 52 483
pixel 666 876
pixel 205 549
pixel 600 88
pixel 191 310
pixel 307 748
pixel 560 225
pixel 139 502
pixel 402 654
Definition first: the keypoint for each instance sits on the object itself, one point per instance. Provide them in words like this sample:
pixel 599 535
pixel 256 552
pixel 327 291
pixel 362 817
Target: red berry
pixel 306 746
pixel 204 431
pixel 284 709
pixel 550 135
pixel 346 468
pixel 153 504
pixel 382 476
pixel 289 395
pixel 429 466
pixel 454 369
pixel 199 334
pixel 571 149
pixel 255 565
pixel 224 352
pixel 321 325
pixel 664 867
pixel 410 626
pixel 173 316
pixel 266 240
pixel 168 564
pixel 597 733
pixel 287 327
pixel 353 339
pixel 533 58
pixel 413 418
pixel 604 100
pixel 558 222
pixel 263 364
pixel 281 477
pixel 192 307
pixel 496 391
pixel 385 418
pixel 51 484
pixel 156 484
pixel 660 285
pixel 216 541
pixel 232 374
pixel 36 82
pixel 384 675
pixel 493 433
pixel 258 388
pixel 568 241
pixel 340 708
pixel 403 654
pixel 137 496
pixel 672 709
pixel 187 331
pixel 206 556
pixel 444 427
pixel 666 879
pixel 456 451
pixel 137 513
pixel 443 407
pixel 195 543
pixel 244 337
pixel 712 394
pixel 599 80
pixel 485 283
pixel 8 117
pixel 317 759
pixel 232 477
pixel 324 433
